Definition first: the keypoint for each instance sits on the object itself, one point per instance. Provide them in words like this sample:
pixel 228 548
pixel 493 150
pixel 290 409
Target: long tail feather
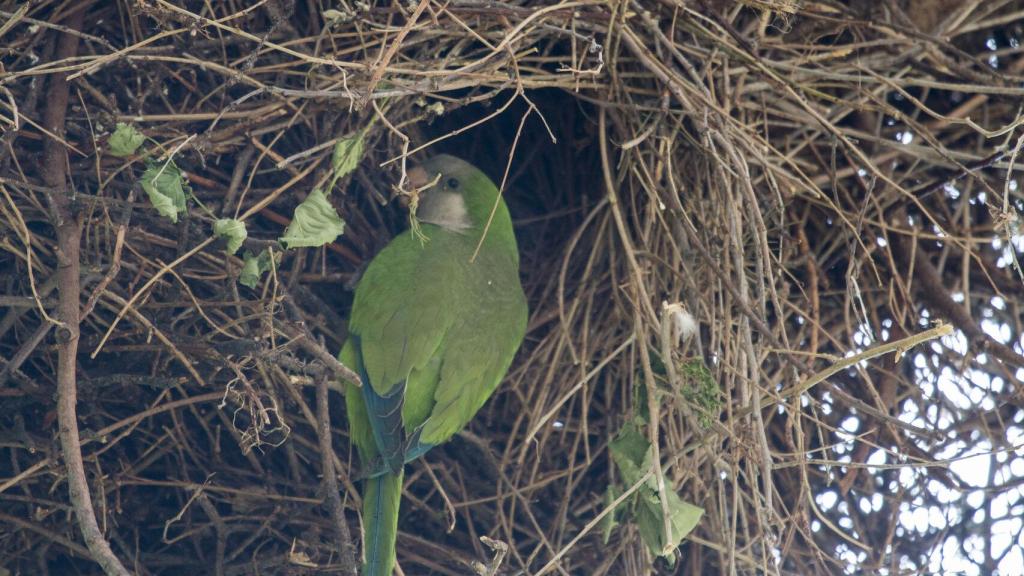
pixel 380 513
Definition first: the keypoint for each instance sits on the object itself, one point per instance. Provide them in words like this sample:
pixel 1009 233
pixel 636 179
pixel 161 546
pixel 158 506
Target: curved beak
pixel 418 177
pixel 419 181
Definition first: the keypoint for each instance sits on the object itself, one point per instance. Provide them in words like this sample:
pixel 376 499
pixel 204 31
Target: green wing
pixel 402 309
pixel 399 319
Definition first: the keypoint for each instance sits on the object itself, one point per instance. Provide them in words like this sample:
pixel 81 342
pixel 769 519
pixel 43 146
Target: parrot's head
pixel 456 195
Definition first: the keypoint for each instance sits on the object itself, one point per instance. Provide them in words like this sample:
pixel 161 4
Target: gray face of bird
pixel 441 201
pixel 445 209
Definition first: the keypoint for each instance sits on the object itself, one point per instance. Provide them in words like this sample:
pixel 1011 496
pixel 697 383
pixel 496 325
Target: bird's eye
pixel 452 183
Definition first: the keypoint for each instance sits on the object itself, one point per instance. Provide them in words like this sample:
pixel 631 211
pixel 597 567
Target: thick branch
pixel 69 232
pixel 330 483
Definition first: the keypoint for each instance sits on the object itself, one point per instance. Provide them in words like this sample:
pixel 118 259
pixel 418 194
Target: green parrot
pixel 434 326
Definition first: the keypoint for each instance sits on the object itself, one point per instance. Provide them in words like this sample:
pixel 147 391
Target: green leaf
pixel 166 188
pixel 649 523
pixel 232 230
pixel 125 140
pixel 611 520
pixel 683 517
pixel 643 410
pixel 347 154
pixel 631 453
pixel 253 267
pixel 315 223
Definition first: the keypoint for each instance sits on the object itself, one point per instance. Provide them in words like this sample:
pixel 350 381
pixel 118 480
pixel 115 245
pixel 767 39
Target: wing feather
pixel 401 312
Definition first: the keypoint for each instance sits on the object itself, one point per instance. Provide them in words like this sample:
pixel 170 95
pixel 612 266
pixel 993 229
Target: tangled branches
pixel 819 185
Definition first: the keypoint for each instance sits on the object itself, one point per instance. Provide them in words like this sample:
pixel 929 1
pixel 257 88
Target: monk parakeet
pixel 436 320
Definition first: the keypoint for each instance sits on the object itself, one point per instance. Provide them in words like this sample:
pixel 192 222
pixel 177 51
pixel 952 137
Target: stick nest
pixel 825 188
